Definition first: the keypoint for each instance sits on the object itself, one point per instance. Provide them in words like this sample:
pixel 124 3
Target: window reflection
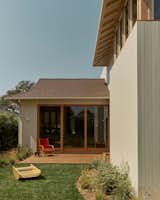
pixel 74 126
pixel 96 126
pixel 157 9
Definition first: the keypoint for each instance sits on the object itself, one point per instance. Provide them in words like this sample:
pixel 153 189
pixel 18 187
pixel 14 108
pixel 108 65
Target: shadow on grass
pixel 33 179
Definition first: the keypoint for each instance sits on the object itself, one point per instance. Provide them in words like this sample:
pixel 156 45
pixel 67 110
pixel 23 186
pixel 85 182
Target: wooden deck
pixel 64 159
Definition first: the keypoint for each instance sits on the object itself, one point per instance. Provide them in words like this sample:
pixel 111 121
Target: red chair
pixel 45 147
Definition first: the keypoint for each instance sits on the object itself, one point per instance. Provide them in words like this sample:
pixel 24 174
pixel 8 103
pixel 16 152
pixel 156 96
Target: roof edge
pixel 54 98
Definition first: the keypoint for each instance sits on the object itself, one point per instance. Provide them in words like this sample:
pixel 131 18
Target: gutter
pixel 56 98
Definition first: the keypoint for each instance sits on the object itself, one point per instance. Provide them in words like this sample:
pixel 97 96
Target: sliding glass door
pixel 96 127
pixel 74 127
pixel 50 124
pixel 85 125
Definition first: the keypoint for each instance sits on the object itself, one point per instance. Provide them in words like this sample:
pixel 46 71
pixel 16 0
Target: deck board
pixel 64 159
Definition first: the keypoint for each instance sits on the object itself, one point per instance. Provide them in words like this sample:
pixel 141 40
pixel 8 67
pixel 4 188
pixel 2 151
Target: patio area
pixel 64 158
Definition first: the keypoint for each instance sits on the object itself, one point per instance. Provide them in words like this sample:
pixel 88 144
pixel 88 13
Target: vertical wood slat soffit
pixel 111 11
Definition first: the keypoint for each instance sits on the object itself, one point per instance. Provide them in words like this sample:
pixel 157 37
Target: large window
pixel 96 126
pixel 74 126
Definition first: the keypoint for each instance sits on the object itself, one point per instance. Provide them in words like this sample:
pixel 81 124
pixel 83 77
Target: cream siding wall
pixel 149 108
pixel 123 108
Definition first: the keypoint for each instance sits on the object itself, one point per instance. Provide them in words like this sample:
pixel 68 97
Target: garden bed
pixel 104 181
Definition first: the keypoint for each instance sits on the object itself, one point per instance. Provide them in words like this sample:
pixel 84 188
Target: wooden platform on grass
pixel 64 159
pixel 26 172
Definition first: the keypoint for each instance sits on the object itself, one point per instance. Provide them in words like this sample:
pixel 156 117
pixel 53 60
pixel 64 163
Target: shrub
pixel 8 131
pixel 124 190
pixel 85 180
pixel 115 181
pixel 7 158
pixel 23 152
pixel 2 162
pixel 95 164
pixel 10 157
pixel 107 177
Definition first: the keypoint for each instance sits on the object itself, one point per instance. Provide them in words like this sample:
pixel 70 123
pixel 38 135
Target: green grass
pixel 56 183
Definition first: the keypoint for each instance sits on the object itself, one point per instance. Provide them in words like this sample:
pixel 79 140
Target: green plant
pixel 99 195
pixel 12 162
pixel 8 131
pixel 107 177
pixel 23 152
pixel 8 158
pixel 95 164
pixel 2 162
pixel 115 181
pixel 85 180
pixel 124 190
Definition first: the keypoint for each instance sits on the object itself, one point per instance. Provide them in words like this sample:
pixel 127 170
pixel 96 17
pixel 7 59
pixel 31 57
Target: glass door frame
pixel 38 123
pixel 62 149
pixel 86 148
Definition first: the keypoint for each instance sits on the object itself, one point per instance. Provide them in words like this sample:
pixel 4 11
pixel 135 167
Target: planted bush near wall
pixel 8 131
pixel 115 181
pixel 23 152
pixel 109 181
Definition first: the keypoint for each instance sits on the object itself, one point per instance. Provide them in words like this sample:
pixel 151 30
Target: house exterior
pixel 72 113
pixel 128 46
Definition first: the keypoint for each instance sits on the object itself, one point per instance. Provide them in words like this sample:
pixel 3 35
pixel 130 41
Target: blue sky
pixel 47 39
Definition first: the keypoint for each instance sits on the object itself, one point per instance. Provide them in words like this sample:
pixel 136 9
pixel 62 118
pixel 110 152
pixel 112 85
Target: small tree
pixel 10 106
pixel 21 87
pixel 8 131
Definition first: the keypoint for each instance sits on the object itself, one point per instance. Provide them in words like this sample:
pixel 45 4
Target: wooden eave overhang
pixel 110 15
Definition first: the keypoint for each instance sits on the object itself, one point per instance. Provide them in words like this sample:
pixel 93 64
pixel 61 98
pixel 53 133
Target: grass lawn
pixel 57 183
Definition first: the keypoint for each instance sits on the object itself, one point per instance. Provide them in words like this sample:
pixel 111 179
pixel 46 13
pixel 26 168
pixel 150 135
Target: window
pixel 50 124
pixel 156 9
pixel 126 24
pixel 134 11
pixel 120 30
pixel 117 44
pixel 96 126
pixel 126 21
pixel 74 126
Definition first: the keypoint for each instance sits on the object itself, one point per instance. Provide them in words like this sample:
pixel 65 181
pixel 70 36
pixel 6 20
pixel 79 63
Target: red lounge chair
pixel 45 147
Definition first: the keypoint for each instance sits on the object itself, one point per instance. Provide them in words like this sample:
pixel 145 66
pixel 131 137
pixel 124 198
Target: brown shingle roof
pixel 66 89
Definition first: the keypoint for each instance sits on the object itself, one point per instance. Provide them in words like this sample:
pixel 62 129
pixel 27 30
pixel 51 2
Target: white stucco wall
pixel 103 74
pixel 28 128
pixel 19 131
pixel 123 108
